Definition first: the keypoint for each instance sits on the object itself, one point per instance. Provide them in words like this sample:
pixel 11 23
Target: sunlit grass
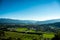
pixel 25 30
pixel 22 36
pixel 21 29
pixel 48 35
pixel 25 36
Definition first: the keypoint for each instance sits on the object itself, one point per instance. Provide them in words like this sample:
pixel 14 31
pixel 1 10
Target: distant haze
pixel 39 10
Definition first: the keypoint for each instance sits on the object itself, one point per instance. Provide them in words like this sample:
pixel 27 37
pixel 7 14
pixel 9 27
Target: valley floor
pixel 23 36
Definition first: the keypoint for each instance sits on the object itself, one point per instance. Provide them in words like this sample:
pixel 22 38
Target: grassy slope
pixel 24 29
pixel 22 36
pixel 21 29
pixel 48 35
pixel 28 36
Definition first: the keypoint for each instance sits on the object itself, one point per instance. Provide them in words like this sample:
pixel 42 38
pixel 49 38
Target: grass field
pixel 21 29
pixel 24 36
pixel 24 29
pixel 48 35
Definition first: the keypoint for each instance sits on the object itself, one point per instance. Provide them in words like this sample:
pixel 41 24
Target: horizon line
pixel 30 20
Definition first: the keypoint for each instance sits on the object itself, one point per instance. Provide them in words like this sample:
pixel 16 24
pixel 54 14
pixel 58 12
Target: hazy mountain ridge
pixel 3 20
pixel 48 21
pixel 16 21
pixel 50 25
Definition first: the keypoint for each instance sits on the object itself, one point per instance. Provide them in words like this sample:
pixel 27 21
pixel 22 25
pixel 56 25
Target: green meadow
pixel 24 30
pixel 28 36
pixel 25 36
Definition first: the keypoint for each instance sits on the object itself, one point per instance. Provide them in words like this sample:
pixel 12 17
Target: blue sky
pixel 30 9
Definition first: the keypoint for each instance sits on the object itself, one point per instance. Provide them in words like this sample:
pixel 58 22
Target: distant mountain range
pixel 48 21
pixel 12 21
pixel 48 25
